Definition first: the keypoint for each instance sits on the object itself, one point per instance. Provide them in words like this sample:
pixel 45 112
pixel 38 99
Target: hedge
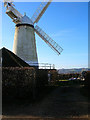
pixel 23 82
pixel 18 82
pixel 67 76
pixel 87 80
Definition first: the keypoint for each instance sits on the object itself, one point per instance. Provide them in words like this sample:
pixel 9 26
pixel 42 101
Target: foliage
pixel 17 82
pixel 67 76
pixel 22 82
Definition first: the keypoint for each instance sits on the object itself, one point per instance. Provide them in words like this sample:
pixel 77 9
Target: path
pixel 63 102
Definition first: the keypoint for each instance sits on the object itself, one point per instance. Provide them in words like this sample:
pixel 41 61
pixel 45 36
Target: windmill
pixel 24 39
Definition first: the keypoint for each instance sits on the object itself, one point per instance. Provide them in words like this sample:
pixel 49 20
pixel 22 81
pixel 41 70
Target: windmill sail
pixel 12 12
pixel 48 40
pixel 40 11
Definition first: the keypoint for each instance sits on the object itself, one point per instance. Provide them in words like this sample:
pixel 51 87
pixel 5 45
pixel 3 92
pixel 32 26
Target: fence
pixel 42 65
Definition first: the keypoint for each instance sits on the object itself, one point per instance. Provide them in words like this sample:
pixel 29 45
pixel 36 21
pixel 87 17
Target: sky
pixel 65 22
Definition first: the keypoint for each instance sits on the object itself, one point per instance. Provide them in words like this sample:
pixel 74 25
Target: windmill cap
pixel 27 20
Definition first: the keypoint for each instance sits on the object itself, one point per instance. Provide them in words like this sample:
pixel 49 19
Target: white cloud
pixel 61 33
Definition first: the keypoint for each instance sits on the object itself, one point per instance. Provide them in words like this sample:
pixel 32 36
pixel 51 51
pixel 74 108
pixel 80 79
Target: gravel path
pixel 63 102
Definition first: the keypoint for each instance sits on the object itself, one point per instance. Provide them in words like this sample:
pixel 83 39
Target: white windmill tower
pixel 24 40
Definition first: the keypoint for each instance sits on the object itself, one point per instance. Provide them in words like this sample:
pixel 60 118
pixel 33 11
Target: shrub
pixel 17 82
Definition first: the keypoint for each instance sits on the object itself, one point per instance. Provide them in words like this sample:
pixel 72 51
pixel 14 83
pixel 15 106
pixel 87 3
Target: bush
pixel 87 79
pixel 86 88
pixel 17 82
pixel 67 76
pixel 23 82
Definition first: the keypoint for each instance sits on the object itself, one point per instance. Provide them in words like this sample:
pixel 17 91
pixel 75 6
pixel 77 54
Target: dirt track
pixel 63 102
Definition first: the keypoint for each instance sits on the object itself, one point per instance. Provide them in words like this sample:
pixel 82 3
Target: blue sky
pixel 65 22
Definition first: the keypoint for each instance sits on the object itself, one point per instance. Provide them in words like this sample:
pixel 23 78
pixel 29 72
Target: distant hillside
pixel 75 70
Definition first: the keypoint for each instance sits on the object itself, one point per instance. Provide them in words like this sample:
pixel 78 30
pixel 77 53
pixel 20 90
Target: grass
pixel 68 82
pixel 63 80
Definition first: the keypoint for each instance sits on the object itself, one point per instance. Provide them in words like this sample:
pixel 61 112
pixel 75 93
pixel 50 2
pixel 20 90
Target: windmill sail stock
pixel 40 11
pixel 48 40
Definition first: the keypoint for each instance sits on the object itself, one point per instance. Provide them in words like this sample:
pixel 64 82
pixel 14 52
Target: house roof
pixel 9 59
